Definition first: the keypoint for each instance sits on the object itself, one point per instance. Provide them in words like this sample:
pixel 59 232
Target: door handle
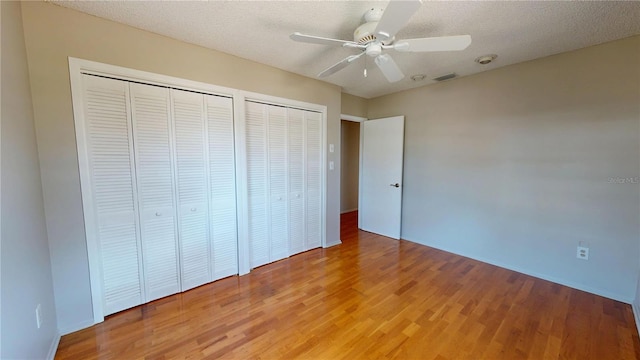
pixel 395 185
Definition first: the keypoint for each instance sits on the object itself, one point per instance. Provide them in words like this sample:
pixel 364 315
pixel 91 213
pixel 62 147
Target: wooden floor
pixel 370 297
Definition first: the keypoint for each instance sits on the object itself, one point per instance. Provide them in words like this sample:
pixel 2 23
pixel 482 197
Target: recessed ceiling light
pixel 486 59
pixel 418 77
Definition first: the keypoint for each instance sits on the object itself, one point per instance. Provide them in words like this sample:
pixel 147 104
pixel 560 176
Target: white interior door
pixel 193 232
pixel 152 142
pixel 112 184
pixel 380 203
pixel 313 169
pixel 222 203
pixel 296 181
pixel 305 180
pixel 284 181
pixel 256 143
pixel 277 170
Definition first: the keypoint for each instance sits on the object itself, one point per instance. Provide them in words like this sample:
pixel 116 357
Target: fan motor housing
pixel 364 33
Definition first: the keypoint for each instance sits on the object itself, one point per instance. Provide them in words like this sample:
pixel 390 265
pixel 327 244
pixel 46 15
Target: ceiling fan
pixel 377 34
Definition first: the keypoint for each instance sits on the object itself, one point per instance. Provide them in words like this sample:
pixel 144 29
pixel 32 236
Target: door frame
pixel 78 67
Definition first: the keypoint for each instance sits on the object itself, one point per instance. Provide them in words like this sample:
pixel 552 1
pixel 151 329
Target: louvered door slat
pixel 313 139
pixel 256 150
pixel 108 135
pixel 296 181
pixel 279 236
pixel 150 113
pixel 193 232
pixel 222 186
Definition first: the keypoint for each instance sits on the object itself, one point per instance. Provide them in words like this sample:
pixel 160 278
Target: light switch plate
pixel 330 165
pixel 331 149
pixel 38 316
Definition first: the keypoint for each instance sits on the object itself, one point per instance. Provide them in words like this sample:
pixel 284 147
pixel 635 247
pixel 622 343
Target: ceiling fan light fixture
pixel 376 37
pixel 374 49
pixel 486 59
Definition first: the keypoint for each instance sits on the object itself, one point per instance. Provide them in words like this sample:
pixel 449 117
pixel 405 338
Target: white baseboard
pixel 564 282
pixel 338 242
pixel 54 347
pixel 636 313
pixel 348 211
pixel 75 327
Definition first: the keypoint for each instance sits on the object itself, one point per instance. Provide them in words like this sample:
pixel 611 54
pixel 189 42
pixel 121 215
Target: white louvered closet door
pixel 192 195
pixel 111 170
pixel 150 107
pixel 277 182
pixel 284 169
pixel 256 150
pixel 222 186
pixel 296 134
pixel 313 165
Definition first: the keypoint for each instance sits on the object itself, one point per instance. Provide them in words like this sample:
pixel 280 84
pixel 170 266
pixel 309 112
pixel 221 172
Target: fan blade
pixel 339 66
pixel 296 36
pixel 444 43
pixel 395 16
pixel 389 68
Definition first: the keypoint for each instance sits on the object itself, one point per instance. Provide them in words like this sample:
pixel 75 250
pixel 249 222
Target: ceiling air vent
pixel 445 77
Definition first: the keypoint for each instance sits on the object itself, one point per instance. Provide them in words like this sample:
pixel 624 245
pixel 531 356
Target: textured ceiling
pixel 259 30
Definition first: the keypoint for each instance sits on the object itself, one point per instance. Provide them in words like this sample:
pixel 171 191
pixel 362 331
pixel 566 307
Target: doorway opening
pixel 350 165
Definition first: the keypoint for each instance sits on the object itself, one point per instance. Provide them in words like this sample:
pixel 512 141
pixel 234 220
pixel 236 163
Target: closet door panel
pixel 284 157
pixel 150 113
pixel 313 138
pixel 191 175
pixel 194 246
pixel 296 152
pixel 256 150
pixel 277 138
pixel 159 253
pixel 222 186
pixel 111 166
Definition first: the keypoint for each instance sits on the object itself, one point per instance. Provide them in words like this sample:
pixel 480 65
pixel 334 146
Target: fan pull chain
pixel 365 66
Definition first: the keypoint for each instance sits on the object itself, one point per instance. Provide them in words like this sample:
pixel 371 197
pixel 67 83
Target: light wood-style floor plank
pixel 369 298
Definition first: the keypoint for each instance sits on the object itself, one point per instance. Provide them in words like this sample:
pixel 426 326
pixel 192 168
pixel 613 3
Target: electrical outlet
pixel 582 253
pixel 38 316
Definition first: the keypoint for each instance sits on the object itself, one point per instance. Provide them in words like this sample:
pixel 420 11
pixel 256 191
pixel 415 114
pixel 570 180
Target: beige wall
pixel 636 303
pixel 354 105
pixel 350 169
pixel 26 269
pixel 512 166
pixel 54 33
